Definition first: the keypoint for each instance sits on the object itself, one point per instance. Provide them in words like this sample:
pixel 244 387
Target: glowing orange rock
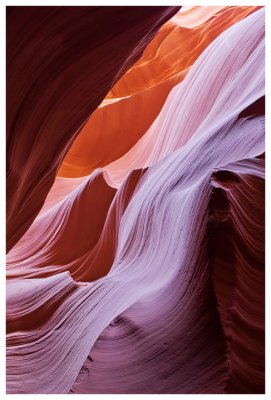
pixel 135 101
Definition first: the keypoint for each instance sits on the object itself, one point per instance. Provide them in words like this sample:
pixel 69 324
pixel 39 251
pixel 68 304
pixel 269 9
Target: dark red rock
pixel 61 62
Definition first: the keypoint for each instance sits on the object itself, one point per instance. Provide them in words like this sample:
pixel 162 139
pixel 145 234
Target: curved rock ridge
pixel 61 63
pixel 243 321
pixel 142 91
pixel 88 218
pixel 237 259
pixel 144 270
pixel 237 57
pixel 147 275
pixel 77 220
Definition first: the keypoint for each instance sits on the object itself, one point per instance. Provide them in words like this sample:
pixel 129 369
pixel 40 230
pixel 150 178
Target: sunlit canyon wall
pixel 135 200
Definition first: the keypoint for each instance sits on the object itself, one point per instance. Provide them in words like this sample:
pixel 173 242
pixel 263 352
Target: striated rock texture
pixel 61 62
pixel 145 87
pixel 143 270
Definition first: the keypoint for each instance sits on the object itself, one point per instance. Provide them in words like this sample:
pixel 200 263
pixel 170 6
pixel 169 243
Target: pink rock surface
pixel 147 276
pixel 61 62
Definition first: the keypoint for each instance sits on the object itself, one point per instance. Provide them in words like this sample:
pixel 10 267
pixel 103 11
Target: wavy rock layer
pixel 237 257
pixel 147 275
pixel 145 87
pixel 215 75
pixel 61 62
